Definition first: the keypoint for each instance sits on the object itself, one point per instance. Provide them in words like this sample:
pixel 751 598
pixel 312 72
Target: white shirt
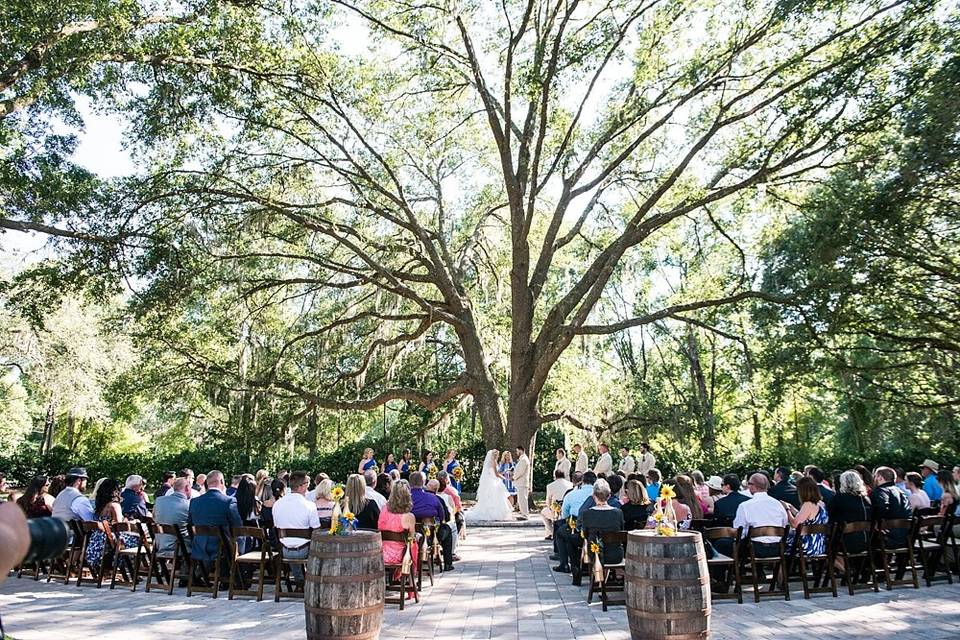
pixel 563 464
pixel 583 463
pixel 293 511
pixel 628 464
pixel 556 490
pixel 604 464
pixel 376 497
pixel 447 500
pixel 647 462
pixel 761 511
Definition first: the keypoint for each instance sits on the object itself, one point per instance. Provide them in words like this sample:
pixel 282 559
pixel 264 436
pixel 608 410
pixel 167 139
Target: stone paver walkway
pixel 503 589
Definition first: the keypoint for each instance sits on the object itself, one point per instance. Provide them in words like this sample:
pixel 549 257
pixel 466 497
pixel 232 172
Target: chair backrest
pixel 126 527
pixel 295 533
pixel 248 532
pixel 768 532
pixel 394 536
pixel 715 533
pixel 91 526
pixel 815 529
pixel 699 524
pixel 614 537
pixel 860 526
pixel 207 530
pixel 924 522
pixel 427 522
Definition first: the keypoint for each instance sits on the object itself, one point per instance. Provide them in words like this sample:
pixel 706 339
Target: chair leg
pixel 173 573
pixel 216 576
pixel 233 570
pixel 191 567
pixel 802 563
pixel 260 579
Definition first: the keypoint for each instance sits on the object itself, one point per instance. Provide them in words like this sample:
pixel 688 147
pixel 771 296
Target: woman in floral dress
pixel 505 471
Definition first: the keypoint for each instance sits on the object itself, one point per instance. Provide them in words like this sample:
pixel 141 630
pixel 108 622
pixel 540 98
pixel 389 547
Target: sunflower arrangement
pixel 432 471
pixel 663 514
pixel 458 473
pixel 557 507
pixel 343 524
pixel 337 493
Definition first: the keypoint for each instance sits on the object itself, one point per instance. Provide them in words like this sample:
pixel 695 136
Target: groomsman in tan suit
pixel 646 461
pixel 563 463
pixel 604 462
pixel 583 463
pixel 521 480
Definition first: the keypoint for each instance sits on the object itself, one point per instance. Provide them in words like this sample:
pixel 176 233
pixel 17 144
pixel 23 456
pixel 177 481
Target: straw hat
pixel 930 464
pixel 715 483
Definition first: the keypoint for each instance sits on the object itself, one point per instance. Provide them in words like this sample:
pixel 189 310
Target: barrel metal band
pixel 340 613
pixel 366 577
pixel 699 635
pixel 349 554
pixel 369 635
pixel 655 560
pixel 672 615
pixel 669 582
pixel 687 537
pixel 354 538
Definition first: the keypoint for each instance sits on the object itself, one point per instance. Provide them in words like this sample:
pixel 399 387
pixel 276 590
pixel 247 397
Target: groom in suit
pixel 521 480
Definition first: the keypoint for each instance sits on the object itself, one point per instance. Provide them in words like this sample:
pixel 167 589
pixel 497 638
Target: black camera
pixel 48 539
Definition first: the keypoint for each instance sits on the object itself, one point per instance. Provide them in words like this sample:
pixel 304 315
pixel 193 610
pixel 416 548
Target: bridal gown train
pixel 492 501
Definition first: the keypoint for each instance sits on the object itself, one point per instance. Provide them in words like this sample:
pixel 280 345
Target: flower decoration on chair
pixel 557 508
pixel 337 493
pixel 572 523
pixel 344 525
pixel 663 514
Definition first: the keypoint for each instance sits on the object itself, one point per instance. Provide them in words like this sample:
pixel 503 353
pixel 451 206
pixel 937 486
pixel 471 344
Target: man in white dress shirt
pixel 370 477
pixel 583 463
pixel 647 461
pixel 555 492
pixel 604 462
pixel 627 464
pixel 759 511
pixel 294 511
pixel 563 463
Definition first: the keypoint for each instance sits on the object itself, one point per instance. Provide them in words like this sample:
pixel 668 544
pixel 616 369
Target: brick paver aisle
pixel 503 589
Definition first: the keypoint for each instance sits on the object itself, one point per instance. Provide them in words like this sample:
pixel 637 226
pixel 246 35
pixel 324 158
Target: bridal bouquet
pixel 458 473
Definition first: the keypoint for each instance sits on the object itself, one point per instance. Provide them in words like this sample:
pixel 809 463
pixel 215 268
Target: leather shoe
pixel 449 567
pixel 562 569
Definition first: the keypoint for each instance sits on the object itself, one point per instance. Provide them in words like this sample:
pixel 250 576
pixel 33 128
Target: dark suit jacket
pixel 213 509
pixel 133 504
pixel 888 502
pixel 725 509
pixel 826 494
pixel 785 491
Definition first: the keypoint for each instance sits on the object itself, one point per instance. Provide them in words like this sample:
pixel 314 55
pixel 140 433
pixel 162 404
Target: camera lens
pixel 48 538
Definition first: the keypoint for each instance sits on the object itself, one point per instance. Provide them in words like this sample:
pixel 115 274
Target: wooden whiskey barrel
pixel 344 590
pixel 667 586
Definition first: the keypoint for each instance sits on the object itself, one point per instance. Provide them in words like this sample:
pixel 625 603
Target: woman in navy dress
pixel 390 464
pixel 406 465
pixel 449 465
pixel 367 462
pixel 426 462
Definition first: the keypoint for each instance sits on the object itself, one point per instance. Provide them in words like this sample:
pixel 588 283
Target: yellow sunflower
pixel 667 492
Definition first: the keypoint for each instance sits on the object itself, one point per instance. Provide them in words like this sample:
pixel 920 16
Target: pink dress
pixel 393 551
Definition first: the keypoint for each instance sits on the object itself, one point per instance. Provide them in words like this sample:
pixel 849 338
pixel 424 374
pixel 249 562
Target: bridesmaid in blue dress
pixel 405 464
pixel 506 472
pixel 426 461
pixel 450 464
pixel 390 464
pixel 367 462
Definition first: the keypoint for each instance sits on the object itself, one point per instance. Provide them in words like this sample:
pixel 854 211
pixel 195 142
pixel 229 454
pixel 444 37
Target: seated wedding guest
pixel 929 470
pixel 447 488
pixel 234 483
pixel 901 480
pixel 57 483
pixel 851 504
pixel 246 501
pixel 434 487
pixel 568 540
pixel 173 509
pixel 714 486
pixel 323 500
pixel 259 477
pixel 70 503
pixel 398 517
pixel 294 511
pixel 760 510
pixel 888 502
pixel 36 502
pixel 600 518
pixel 383 486
pixel 317 479
pixel 636 509
pixel 826 493
pixel 653 484
pixel 614 483
pixel 133 500
pixel 396 476
pixel 200 485
pixel 811 511
pixel 355 500
pixel 687 496
pixel 367 462
pixel 918 497
pixel 783 489
pixel 866 476
pixel 370 479
pixel 107 508
pixel 951 494
pixel 271 491
pixel 700 487
pixel 427 505
pixel 188 474
pixel 725 507
pixel 555 492
pixel 166 482
pixel 213 509
pixel 390 464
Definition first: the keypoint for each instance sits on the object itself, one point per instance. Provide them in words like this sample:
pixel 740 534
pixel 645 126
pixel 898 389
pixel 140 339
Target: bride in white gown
pixel 492 500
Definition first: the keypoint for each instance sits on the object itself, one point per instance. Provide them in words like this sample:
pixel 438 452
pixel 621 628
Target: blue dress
pixel 506 470
pixel 390 467
pixel 372 462
pixel 98 542
pixel 814 544
pixel 453 464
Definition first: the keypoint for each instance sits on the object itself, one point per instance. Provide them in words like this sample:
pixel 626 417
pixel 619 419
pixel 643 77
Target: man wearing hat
pixel 931 487
pixel 725 508
pixel 70 503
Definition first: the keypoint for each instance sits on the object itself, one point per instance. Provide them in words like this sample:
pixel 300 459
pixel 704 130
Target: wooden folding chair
pixel 70 559
pixel 283 564
pixel 779 561
pixel 426 527
pixel 89 528
pixel 932 535
pixel 864 559
pixel 132 556
pixel 724 562
pixel 699 524
pixel 407 583
pixel 196 564
pixel 902 553
pixel 606 581
pixel 159 559
pixel 813 567
pixel 261 558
